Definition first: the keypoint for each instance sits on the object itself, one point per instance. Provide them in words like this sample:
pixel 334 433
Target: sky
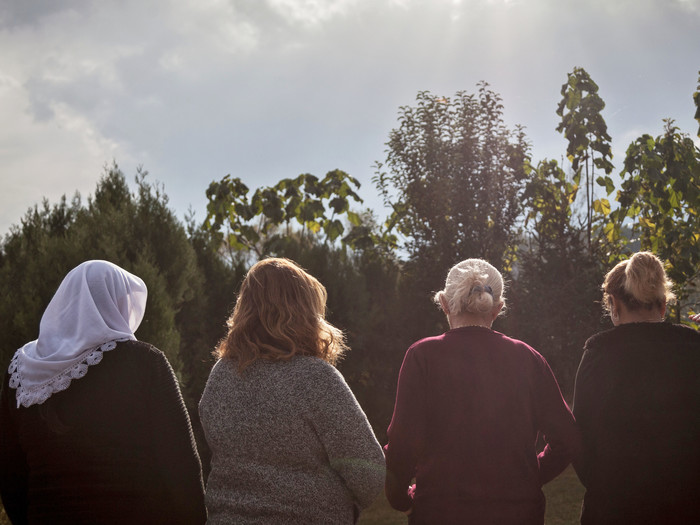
pixel 193 90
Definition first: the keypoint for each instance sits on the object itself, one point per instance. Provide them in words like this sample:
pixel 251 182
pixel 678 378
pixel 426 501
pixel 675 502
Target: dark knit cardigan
pixel 115 447
pixel 637 402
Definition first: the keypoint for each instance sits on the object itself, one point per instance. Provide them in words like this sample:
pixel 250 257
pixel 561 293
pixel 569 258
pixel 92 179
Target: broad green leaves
pixel 660 197
pixel 549 197
pixel 313 205
pixel 587 134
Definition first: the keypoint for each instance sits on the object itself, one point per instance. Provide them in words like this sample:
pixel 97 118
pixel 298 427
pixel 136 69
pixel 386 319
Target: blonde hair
pixel 639 282
pixel 280 313
pixel 473 286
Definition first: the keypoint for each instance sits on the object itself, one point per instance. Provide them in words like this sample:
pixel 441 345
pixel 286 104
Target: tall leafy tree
pixel 301 219
pixel 453 177
pixel 34 257
pixel 660 200
pixel 588 148
pixel 696 99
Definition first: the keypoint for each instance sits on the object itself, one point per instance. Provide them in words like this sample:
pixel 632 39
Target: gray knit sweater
pixel 290 444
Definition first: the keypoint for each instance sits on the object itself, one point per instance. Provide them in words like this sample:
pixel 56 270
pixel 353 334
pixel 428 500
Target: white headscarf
pixel 97 304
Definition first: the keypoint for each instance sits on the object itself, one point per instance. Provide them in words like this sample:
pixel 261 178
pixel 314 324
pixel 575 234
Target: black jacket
pixel 637 403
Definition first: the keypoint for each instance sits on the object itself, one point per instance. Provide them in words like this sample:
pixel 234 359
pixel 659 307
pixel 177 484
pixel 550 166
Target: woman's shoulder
pixel 314 367
pixel 426 345
pixel 303 369
pixel 135 348
pixel 134 355
pixel 643 334
pixel 511 345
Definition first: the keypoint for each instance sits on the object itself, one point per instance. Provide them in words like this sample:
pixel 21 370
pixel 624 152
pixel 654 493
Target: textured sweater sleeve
pixel 174 446
pixel 406 432
pixel 342 427
pixel 557 424
pixel 13 465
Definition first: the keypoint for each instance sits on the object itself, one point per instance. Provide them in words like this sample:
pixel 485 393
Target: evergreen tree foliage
pixel 138 232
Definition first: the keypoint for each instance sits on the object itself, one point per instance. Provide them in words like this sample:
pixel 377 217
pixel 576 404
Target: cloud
pixel 20 13
pixel 45 158
pixel 193 90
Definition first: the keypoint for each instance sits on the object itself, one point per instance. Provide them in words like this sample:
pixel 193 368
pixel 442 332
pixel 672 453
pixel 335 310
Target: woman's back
pixel 115 447
pixel 638 405
pixel 470 405
pixel 289 444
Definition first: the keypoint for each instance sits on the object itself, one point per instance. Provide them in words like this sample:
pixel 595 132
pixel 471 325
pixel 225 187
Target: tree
pixel 554 298
pixel 696 99
pixel 660 198
pixel 34 258
pixel 136 231
pixel 301 219
pixel 251 222
pixel 588 141
pixel 454 177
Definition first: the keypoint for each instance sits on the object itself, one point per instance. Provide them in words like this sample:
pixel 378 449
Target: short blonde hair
pixel 473 286
pixel 280 313
pixel 639 282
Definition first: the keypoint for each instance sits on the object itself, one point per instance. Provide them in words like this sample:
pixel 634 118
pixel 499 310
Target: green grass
pixel 564 496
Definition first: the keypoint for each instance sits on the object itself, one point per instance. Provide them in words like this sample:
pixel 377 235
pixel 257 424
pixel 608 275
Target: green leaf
pixel 339 204
pixel 333 229
pixel 602 206
pixel 354 218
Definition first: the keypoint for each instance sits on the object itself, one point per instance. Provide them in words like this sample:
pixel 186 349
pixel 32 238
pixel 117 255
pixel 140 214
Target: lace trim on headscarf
pixel 37 395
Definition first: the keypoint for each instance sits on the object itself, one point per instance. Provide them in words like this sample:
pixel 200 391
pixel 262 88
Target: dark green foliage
pixel 553 301
pixel 453 179
pixel 136 231
pixel 35 257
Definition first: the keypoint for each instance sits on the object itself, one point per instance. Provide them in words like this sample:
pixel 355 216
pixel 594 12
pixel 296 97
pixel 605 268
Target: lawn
pixel 564 496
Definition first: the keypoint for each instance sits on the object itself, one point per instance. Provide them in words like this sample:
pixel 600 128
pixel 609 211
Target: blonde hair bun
pixel 645 279
pixel 639 282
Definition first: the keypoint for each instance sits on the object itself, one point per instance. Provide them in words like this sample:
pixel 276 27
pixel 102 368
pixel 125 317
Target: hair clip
pixel 478 288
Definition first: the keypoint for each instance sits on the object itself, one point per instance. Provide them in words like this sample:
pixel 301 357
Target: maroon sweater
pixel 470 406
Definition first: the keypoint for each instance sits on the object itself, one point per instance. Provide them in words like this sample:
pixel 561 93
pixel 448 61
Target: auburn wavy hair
pixel 280 313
